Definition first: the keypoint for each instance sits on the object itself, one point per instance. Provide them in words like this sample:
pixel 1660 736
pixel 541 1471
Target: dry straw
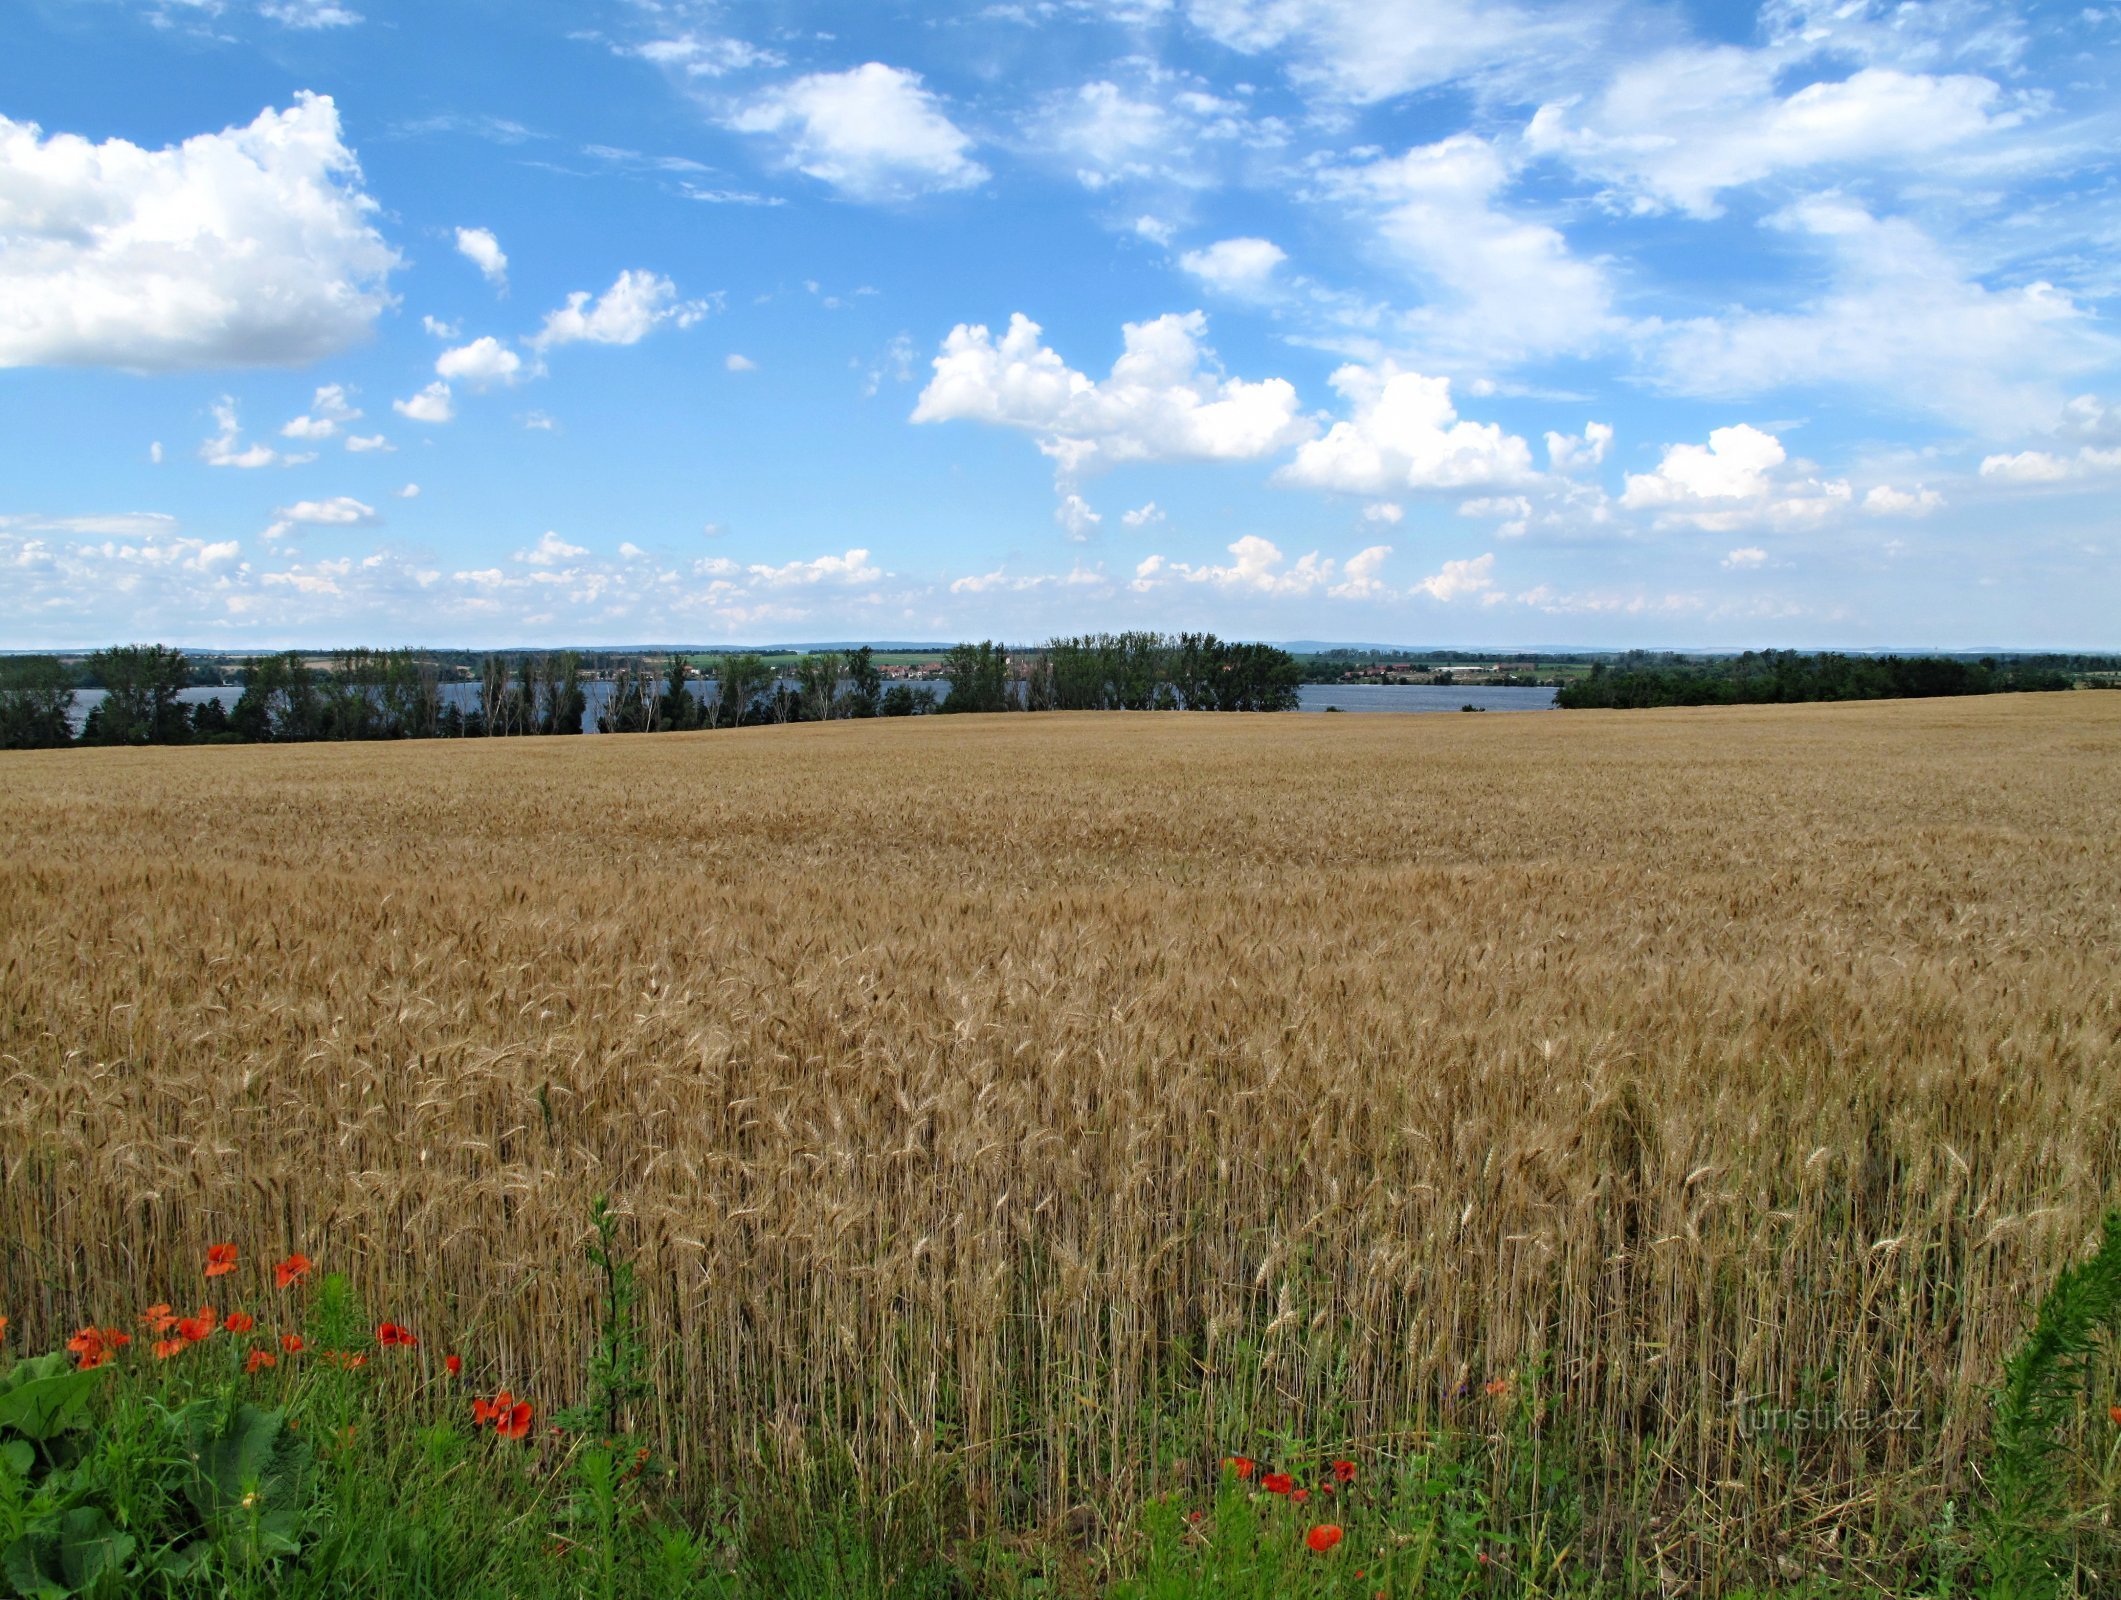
pixel 984 1093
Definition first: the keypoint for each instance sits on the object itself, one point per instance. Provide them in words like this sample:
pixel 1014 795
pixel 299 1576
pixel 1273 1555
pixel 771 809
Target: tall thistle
pixel 2023 1533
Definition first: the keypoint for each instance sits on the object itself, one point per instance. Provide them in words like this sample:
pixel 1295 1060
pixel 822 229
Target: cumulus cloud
pixel 1143 516
pixel 1733 465
pixel 1472 579
pixel 1404 434
pixel 736 363
pixel 1241 268
pixel 1166 398
pixel 851 569
pixel 1900 319
pixel 329 411
pixel 483 250
pixel 1499 286
pixel 1567 451
pixel 1075 516
pixel 636 304
pixel 551 551
pixel 249 247
pixel 1512 513
pixel 432 404
pixel 1369 50
pixel 1733 482
pixel 1258 567
pixel 1884 500
pixel 871 132
pixel 363 443
pixel 483 363
pixel 2045 466
pixel 411 491
pixel 226 447
pixel 1746 556
pixel 1678 128
pixel 341 511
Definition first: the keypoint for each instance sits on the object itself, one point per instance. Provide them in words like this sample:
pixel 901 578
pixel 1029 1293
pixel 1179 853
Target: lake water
pixel 1310 697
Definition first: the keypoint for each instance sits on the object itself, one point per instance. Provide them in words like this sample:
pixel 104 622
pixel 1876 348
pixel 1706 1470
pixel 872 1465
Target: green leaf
pixel 67 1557
pixel 45 1396
pixel 20 1456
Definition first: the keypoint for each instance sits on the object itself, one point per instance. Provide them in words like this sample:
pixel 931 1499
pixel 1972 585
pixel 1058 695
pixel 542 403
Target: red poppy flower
pixel 158 1318
pixel 292 1270
pixel 193 1329
pixel 92 1347
pixel 3 1330
pixel 1324 1537
pixel 1277 1483
pixel 220 1260
pixel 259 1358
pixel 2113 1415
pixel 291 1343
pixel 482 1412
pixel 389 1333
pixel 239 1322
pixel 455 1364
pixel 1243 1466
pixel 516 1423
pixel 1497 1386
pixel 1299 1495
pixel 165 1348
pixel 1343 1472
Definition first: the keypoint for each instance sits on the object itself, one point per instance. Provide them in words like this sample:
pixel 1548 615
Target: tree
pixel 979 678
pixel 36 702
pixel 141 684
pixel 738 680
pixel 817 676
pixel 865 685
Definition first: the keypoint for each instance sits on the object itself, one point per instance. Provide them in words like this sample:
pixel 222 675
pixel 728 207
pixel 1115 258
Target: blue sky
pixel 503 321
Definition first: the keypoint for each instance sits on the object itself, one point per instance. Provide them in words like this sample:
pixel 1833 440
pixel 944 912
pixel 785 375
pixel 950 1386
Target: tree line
pixel 1765 677
pixel 399 694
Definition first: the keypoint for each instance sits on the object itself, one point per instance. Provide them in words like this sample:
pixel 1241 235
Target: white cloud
pixel 1499 287
pixel 1886 501
pixel 1359 580
pixel 701 55
pixel 363 443
pixel 1733 465
pixel 2044 466
pixel 1074 515
pixel 851 569
pixel 1390 512
pixel 872 132
pixel 225 448
pixel 483 250
pixel 1734 482
pixel 249 247
pixel 551 551
pixel 1143 516
pixel 411 491
pixel 1258 567
pixel 540 422
pixel 1900 319
pixel 1678 128
pixel 1566 451
pixel 736 363
pixel 328 412
pixel 309 15
pixel 1165 400
pixel 1242 268
pixel 341 511
pixel 154 452
pixel 432 404
pixel 1746 556
pixel 1512 513
pixel 636 304
pixel 1461 580
pixel 482 363
pixel 1370 50
pixel 1405 434
pixel 440 329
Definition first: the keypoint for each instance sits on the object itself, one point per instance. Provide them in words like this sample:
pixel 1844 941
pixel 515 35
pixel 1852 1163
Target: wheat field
pixel 1045 1105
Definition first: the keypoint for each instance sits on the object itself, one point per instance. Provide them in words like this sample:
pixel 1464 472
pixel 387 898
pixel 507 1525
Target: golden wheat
pixel 1030 1100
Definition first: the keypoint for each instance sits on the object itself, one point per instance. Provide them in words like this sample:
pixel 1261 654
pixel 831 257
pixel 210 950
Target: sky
pixel 1452 322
